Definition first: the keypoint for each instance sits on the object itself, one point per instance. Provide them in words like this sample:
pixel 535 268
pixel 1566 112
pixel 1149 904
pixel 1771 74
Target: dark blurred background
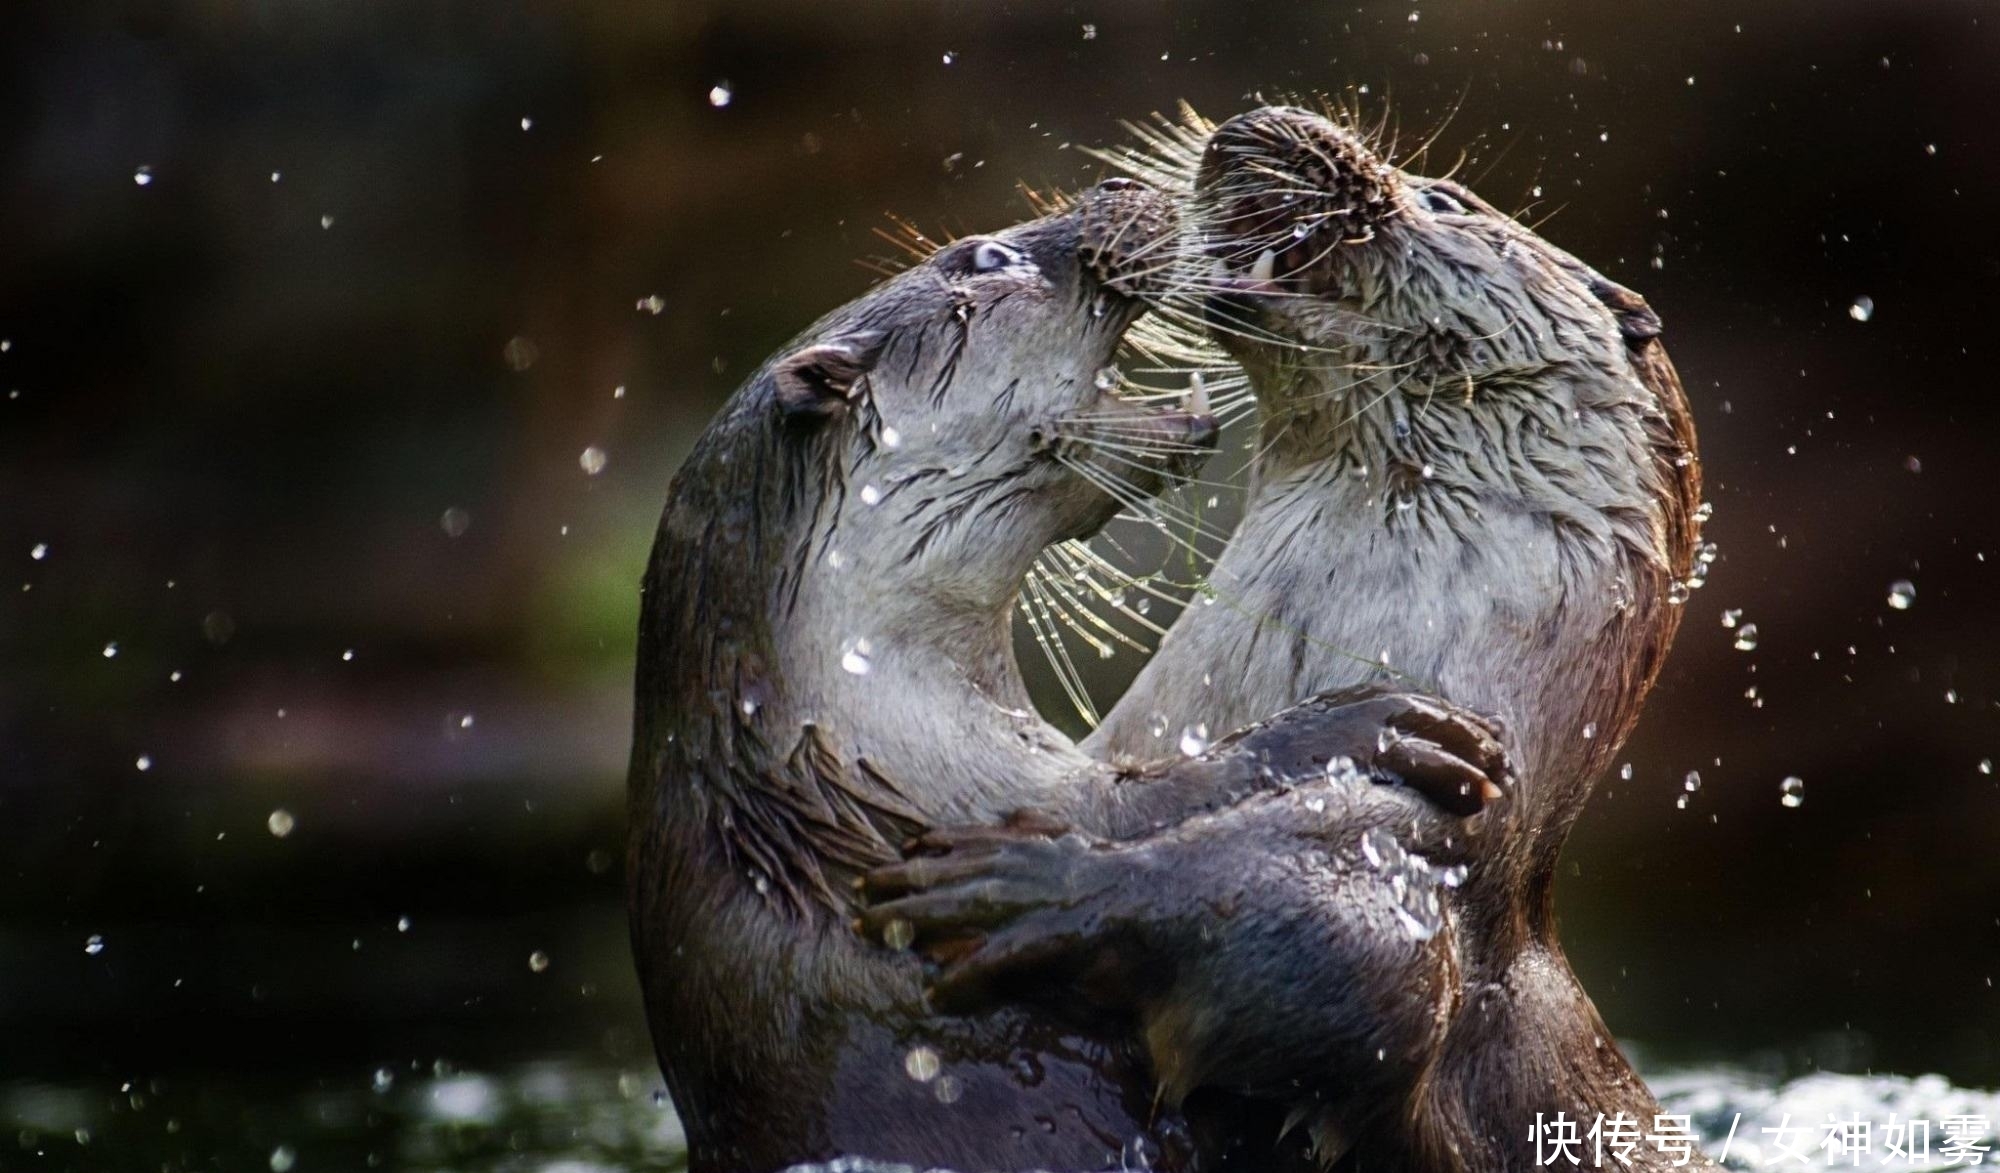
pixel 346 351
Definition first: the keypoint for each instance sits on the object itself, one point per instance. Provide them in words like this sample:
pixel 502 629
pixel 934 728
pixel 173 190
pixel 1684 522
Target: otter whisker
pixel 1155 512
pixel 1057 652
pixel 1068 585
pixel 1085 565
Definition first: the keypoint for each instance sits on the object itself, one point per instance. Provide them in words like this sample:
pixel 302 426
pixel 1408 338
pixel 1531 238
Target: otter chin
pixel 1474 475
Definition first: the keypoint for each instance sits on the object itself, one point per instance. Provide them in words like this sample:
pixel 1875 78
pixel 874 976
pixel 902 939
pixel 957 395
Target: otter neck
pixel 914 674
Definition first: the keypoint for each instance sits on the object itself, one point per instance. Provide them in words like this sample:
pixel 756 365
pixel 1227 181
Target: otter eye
pixel 992 255
pixel 1441 204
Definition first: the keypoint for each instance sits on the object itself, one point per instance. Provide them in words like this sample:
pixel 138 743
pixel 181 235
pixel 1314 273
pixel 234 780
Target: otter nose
pixel 1125 229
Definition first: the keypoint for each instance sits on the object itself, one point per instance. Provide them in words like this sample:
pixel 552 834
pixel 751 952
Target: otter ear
pixel 1636 320
pixel 819 381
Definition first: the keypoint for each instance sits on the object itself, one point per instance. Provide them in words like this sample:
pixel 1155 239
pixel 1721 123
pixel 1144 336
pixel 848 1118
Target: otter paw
pixel 990 904
pixel 1452 756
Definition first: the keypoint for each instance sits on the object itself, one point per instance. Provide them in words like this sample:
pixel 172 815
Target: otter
pixel 1476 468
pixel 825 668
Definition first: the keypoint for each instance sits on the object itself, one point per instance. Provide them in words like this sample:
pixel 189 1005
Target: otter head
pixel 1328 255
pixel 964 403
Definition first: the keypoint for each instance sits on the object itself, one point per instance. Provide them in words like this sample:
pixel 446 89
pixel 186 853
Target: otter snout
pixel 1129 236
pixel 1280 189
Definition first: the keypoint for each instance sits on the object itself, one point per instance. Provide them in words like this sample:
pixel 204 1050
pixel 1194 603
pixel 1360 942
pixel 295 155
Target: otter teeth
pixel 1197 396
pixel 1266 266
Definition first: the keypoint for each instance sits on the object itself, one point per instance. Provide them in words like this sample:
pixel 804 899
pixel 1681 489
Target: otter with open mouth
pixel 1475 473
pixel 825 669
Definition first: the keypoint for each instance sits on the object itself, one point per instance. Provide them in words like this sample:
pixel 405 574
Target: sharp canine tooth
pixel 1197 396
pixel 1266 266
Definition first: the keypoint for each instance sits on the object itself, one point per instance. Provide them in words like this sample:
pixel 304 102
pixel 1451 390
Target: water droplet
pixel 949 1090
pixel 1625 772
pixel 1902 594
pixel 899 934
pixel 464 720
pixel 527 124
pixel 719 94
pixel 402 924
pixel 454 522
pixel 144 763
pixel 1692 782
pixel 280 823
pixel 383 1080
pixel 93 944
pixel 1677 592
pixel 347 657
pixel 1106 378
pixel 870 495
pixel 143 177
pixel 921 1064
pixel 858 659
pixel 1862 309
pixel 891 438
pixel 1792 792
pixel 1986 765
pixel 1590 731
pixel 538 961
pixel 276 176
pixel 111 650
pixel 39 551
pixel 652 304
pixel 1746 638
pixel 950 57
pixel 1194 740
pixel 1681 803
pixel 592 460
pixel 1156 724
pixel 326 222
pixel 283 1158
pixel 1090 32
pixel 1732 617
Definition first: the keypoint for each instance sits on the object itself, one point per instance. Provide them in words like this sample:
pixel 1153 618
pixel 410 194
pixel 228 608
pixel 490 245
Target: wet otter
pixel 1476 464
pixel 825 668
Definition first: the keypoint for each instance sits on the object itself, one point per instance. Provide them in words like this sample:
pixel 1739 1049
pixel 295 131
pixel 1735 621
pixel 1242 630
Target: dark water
pixel 557 1115
pixel 579 1115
